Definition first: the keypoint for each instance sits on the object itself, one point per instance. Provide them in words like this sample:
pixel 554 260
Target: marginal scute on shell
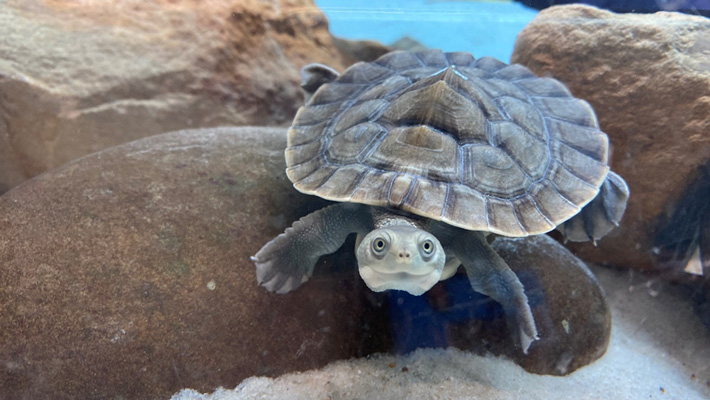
pixel 475 143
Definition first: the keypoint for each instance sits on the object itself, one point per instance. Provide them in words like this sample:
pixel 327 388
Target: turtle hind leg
pixel 601 215
pixel 489 274
pixel 287 261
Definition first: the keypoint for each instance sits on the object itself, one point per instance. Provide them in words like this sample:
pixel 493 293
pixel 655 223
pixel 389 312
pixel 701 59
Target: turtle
pixel 428 155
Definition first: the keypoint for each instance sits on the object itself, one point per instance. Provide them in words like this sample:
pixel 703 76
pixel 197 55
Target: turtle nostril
pixel 404 255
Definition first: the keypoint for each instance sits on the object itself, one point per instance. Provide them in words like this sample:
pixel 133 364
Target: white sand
pixel 658 350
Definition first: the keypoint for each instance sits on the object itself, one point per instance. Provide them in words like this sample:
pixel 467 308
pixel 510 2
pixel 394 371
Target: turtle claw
pixel 287 261
pixel 281 284
pixel 489 274
pixel 276 270
pixel 601 215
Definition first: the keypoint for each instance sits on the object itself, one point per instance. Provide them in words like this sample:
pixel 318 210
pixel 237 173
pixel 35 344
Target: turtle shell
pixel 475 143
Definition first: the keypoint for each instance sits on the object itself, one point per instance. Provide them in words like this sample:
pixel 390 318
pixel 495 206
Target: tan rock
pixel 126 274
pixel 648 78
pixel 76 78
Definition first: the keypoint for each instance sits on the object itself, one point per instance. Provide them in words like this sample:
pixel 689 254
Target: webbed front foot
pixel 280 267
pixel 287 261
pixel 489 274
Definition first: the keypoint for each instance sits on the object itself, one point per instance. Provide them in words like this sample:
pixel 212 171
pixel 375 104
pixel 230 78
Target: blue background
pixel 478 27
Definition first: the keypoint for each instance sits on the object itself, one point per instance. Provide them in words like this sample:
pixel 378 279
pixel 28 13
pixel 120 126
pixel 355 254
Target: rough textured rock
pixel 657 351
pixel 648 78
pixel 570 310
pixel 126 274
pixel 76 78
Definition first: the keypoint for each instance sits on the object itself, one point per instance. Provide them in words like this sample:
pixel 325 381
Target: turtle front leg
pixel 287 261
pixel 489 274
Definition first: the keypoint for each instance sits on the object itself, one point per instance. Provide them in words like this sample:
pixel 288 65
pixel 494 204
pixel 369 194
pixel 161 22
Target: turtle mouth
pixel 412 283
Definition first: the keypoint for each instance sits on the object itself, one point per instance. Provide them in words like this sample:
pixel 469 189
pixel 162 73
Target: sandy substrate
pixel 658 350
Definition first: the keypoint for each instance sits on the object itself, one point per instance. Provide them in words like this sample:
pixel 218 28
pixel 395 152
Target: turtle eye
pixel 427 247
pixel 379 245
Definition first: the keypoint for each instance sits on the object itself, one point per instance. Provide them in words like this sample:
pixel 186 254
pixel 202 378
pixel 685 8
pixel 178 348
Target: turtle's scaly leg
pixel 489 274
pixel 288 260
pixel 601 215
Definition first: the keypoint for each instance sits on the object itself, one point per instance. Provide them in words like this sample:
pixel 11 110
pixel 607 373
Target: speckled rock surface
pixel 648 78
pixel 571 313
pixel 126 274
pixel 139 257
pixel 76 78
pixel 658 350
pixel 570 309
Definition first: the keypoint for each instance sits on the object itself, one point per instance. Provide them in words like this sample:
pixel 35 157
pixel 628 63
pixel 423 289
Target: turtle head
pixel 402 258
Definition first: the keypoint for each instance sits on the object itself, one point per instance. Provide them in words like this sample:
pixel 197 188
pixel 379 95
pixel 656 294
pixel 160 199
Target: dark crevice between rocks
pixel 681 247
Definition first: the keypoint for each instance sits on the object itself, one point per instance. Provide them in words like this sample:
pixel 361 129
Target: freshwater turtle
pixel 427 154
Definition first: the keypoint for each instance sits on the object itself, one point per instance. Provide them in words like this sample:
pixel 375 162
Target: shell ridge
pixel 399 91
pixel 518 164
pixel 389 188
pixel 329 126
pixel 461 173
pixel 442 215
pixel 576 148
pixel 485 59
pixel 580 206
pixel 303 144
pixel 545 96
pixel 420 59
pixel 411 188
pixel 486 206
pixel 330 175
pixel 517 218
pixel 522 79
pixel 377 143
pixel 552 117
pixel 303 162
pixel 358 182
pixel 327 103
pixel 385 65
pixel 501 109
pixel 548 143
pixel 539 210
pixel 554 187
pixel 597 162
pixel 298 123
